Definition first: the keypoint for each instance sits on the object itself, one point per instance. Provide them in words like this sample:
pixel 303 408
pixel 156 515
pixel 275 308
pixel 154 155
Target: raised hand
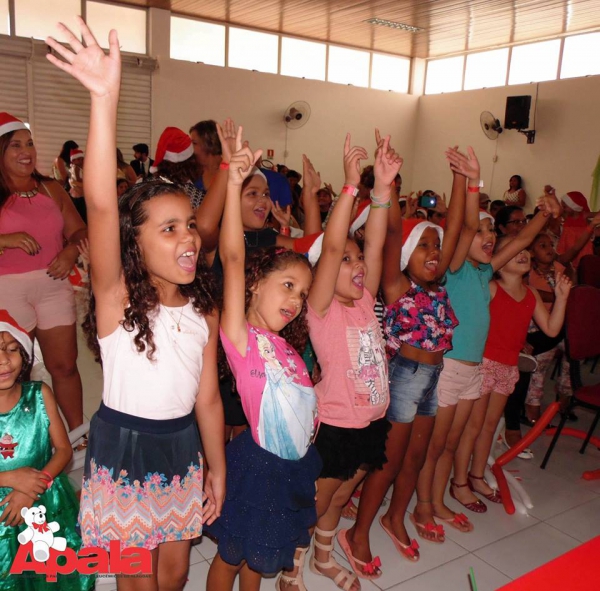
pixel 562 286
pixel 283 216
pixel 387 162
pixel 467 165
pixel 227 134
pixel 98 72
pixel 550 205
pixel 312 179
pixel 242 161
pixel 352 157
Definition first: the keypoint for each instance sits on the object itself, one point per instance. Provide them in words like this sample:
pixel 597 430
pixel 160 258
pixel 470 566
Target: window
pixel 251 50
pixel 581 56
pixel 390 73
pixel 4 18
pixel 444 75
pixel 486 69
pixel 534 62
pixel 195 41
pixel 348 66
pixel 129 22
pixel 303 59
pixel 38 19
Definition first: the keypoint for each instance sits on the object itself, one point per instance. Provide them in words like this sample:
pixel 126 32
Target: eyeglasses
pixel 519 222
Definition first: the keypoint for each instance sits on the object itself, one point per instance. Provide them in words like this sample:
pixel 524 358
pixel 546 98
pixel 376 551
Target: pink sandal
pixel 365 570
pixel 409 551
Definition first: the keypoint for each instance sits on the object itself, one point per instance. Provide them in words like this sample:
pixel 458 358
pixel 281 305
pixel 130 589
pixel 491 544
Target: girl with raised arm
pixel 154 324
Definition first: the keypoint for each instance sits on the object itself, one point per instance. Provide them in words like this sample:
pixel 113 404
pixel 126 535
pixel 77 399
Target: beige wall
pixel 565 152
pixel 184 93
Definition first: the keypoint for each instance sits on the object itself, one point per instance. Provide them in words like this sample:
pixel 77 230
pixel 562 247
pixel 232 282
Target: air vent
pixel 393 25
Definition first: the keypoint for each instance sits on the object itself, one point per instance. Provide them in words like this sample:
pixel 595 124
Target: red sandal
pixel 494 497
pixel 477 506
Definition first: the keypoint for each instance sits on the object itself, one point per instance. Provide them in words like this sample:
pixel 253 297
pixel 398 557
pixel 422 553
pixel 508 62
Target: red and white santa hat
pixel 9 324
pixel 362 214
pixel 174 145
pixel 9 123
pixel 576 201
pixel 77 153
pixel 412 230
pixel 310 246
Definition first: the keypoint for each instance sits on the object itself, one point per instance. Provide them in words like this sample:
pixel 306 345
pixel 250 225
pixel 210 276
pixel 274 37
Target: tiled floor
pixel 502 547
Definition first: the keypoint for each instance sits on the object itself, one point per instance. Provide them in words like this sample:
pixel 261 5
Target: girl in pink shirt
pixel 353 395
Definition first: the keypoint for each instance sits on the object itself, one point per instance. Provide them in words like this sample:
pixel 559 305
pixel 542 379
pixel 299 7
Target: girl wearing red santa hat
pixel 576 216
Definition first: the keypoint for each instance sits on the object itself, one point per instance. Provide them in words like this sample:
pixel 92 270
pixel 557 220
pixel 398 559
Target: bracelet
pixel 224 166
pixel 50 479
pixel 377 200
pixel 350 190
pixel 385 205
pixel 473 189
pixel 284 230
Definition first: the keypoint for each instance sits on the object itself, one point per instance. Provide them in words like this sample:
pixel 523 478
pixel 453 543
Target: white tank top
pixel 165 388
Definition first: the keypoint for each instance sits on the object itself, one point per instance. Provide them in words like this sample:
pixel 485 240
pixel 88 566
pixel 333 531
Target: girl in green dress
pixel 30 474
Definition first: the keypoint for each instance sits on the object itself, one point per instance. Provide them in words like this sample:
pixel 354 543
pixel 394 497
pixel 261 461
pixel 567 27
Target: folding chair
pixel 582 342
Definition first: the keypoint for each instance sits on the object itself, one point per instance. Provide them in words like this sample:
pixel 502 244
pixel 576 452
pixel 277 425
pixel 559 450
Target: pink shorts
pixel 458 381
pixel 34 299
pixel 498 377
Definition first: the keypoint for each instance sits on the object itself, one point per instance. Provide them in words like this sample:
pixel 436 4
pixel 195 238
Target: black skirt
pixel 269 506
pixel 344 451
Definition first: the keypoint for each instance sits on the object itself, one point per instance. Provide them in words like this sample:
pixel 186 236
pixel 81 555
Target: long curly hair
pixel 260 263
pixel 142 294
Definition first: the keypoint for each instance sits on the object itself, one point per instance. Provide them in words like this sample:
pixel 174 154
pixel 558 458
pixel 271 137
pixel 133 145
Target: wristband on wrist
pixel 385 205
pixel 350 190
pixel 284 230
pixel 224 166
pixel 473 189
pixel 377 200
pixel 50 479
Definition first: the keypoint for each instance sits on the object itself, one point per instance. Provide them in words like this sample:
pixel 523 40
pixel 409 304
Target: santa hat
pixel 77 153
pixel 174 145
pixel 362 213
pixel 486 215
pixel 576 201
pixel 9 324
pixel 310 246
pixel 412 230
pixel 9 123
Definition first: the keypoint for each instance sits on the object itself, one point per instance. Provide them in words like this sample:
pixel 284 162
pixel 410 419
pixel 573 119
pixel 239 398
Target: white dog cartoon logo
pixel 40 533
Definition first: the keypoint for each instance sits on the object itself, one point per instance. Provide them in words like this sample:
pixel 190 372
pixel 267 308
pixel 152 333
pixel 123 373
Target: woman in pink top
pixel 39 233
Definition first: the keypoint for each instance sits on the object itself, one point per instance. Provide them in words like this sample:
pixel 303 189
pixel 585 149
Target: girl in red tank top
pixel 512 307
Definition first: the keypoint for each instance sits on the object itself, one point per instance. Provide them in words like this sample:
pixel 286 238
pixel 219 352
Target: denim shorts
pixel 413 389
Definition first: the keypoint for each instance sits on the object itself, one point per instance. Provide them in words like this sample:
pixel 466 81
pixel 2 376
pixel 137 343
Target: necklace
pixel 177 322
pixel 27 194
pixel 550 276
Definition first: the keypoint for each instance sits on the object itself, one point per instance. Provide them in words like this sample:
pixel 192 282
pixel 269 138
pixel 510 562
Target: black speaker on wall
pixel 517 112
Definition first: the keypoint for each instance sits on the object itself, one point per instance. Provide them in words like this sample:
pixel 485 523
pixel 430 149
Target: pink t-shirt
pixel 276 392
pixel 354 389
pixel 41 218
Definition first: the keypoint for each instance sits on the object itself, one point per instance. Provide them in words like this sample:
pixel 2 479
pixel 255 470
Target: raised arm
pixel 334 241
pixel 210 211
pixel 549 206
pixel 569 255
pixel 386 167
pixel 463 167
pixel 312 184
pixel 232 249
pixel 101 75
pixel 551 323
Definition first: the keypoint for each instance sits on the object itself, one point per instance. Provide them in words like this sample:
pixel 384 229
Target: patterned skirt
pixel 142 482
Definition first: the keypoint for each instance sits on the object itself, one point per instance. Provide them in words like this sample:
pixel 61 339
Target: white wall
pixel 184 93
pixel 565 152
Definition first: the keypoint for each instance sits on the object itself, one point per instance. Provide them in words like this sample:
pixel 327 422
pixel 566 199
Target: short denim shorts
pixel 413 389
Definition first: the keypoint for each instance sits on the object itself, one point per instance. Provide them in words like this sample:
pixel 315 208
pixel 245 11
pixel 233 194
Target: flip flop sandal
pixel 409 551
pixel 365 570
pixel 429 528
pixel 459 521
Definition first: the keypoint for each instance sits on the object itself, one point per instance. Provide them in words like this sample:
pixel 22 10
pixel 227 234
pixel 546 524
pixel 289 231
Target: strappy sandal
pixel 409 551
pixel 365 570
pixel 298 581
pixel 494 496
pixel 344 578
pixel 476 506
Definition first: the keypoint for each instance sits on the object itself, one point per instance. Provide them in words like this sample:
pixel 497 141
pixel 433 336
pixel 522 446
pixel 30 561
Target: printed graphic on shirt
pixel 369 367
pixel 288 408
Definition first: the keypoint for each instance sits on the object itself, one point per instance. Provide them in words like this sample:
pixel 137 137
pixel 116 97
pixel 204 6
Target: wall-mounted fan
pixel 490 125
pixel 297 114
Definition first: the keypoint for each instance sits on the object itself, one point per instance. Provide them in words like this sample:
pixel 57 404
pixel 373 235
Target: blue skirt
pixel 269 506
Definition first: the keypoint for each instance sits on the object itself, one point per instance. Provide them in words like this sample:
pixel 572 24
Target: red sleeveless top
pixel 509 321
